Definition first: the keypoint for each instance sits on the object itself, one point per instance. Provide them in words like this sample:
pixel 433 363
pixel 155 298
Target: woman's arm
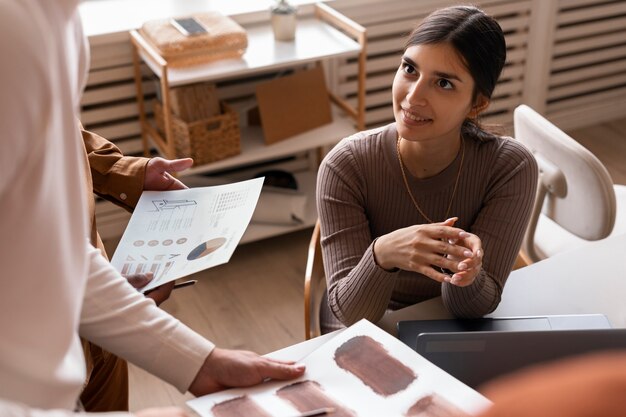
pixel 500 225
pixel 357 287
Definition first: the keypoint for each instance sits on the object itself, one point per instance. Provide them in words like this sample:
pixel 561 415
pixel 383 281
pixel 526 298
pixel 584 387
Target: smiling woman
pixel 432 204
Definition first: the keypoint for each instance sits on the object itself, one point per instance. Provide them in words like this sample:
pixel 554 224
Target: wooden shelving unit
pixel 324 36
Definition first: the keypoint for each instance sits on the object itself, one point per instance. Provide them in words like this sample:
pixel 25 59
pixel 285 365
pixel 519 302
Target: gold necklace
pixel 408 189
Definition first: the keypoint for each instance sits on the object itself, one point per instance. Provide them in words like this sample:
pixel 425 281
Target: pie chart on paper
pixel 206 248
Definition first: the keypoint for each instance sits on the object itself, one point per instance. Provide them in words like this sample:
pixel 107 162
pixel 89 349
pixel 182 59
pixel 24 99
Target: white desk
pixel 590 279
pixel 587 280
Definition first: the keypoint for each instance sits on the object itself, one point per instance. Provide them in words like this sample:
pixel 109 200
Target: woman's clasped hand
pixel 439 251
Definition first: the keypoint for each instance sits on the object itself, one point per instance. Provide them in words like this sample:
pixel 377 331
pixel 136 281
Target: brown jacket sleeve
pixel 115 177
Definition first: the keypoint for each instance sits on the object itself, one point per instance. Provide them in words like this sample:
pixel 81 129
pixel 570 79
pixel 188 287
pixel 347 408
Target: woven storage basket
pixel 225 39
pixel 206 140
pixel 195 101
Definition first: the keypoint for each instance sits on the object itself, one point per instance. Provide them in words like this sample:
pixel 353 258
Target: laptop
pixel 477 357
pixel 408 330
pixel 477 350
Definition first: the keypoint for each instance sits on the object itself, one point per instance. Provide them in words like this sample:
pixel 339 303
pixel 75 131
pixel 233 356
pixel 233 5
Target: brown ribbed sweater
pixel 361 196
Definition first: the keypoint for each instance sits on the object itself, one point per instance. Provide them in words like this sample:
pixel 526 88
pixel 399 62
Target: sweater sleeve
pixel 357 287
pixel 500 224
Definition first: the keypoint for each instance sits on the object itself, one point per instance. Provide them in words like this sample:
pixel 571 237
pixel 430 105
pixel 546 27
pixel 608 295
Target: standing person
pixel 55 285
pixel 432 204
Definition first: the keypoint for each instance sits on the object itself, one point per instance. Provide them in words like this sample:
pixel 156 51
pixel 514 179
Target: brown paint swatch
pixel 369 361
pixel 309 395
pixel 434 406
pixel 242 406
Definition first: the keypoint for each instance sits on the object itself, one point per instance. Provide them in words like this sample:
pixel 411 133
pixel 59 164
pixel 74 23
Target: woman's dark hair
pixel 479 41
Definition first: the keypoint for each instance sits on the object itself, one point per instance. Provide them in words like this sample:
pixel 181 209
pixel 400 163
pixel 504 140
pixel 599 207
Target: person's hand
pixel 236 368
pixel 158 174
pixel 159 294
pixel 161 412
pixel 468 266
pixel 427 249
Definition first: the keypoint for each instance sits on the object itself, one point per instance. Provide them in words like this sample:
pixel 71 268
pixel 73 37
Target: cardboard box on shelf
pixel 293 104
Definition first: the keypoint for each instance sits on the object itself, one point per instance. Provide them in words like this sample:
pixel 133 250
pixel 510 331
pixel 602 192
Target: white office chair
pixel 576 199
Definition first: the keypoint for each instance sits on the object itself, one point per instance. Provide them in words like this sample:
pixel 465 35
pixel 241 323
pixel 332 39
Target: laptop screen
pixel 477 357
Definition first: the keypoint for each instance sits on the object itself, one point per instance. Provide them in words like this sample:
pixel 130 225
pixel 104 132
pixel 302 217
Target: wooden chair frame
pixel 314 285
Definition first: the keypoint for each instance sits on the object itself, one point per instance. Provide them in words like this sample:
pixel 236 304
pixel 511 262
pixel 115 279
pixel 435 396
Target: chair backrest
pixel 575 189
pixel 314 285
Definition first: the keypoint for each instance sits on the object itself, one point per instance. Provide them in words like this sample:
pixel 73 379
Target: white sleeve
pixel 121 320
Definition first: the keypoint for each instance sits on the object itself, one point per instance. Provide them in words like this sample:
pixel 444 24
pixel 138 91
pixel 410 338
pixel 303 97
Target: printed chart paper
pixel 177 233
pixel 363 371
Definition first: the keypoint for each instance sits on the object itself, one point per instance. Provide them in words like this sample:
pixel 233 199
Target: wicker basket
pixel 206 140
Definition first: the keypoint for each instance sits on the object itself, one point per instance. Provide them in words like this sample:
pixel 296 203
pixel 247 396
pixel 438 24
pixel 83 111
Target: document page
pixel 363 371
pixel 177 233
